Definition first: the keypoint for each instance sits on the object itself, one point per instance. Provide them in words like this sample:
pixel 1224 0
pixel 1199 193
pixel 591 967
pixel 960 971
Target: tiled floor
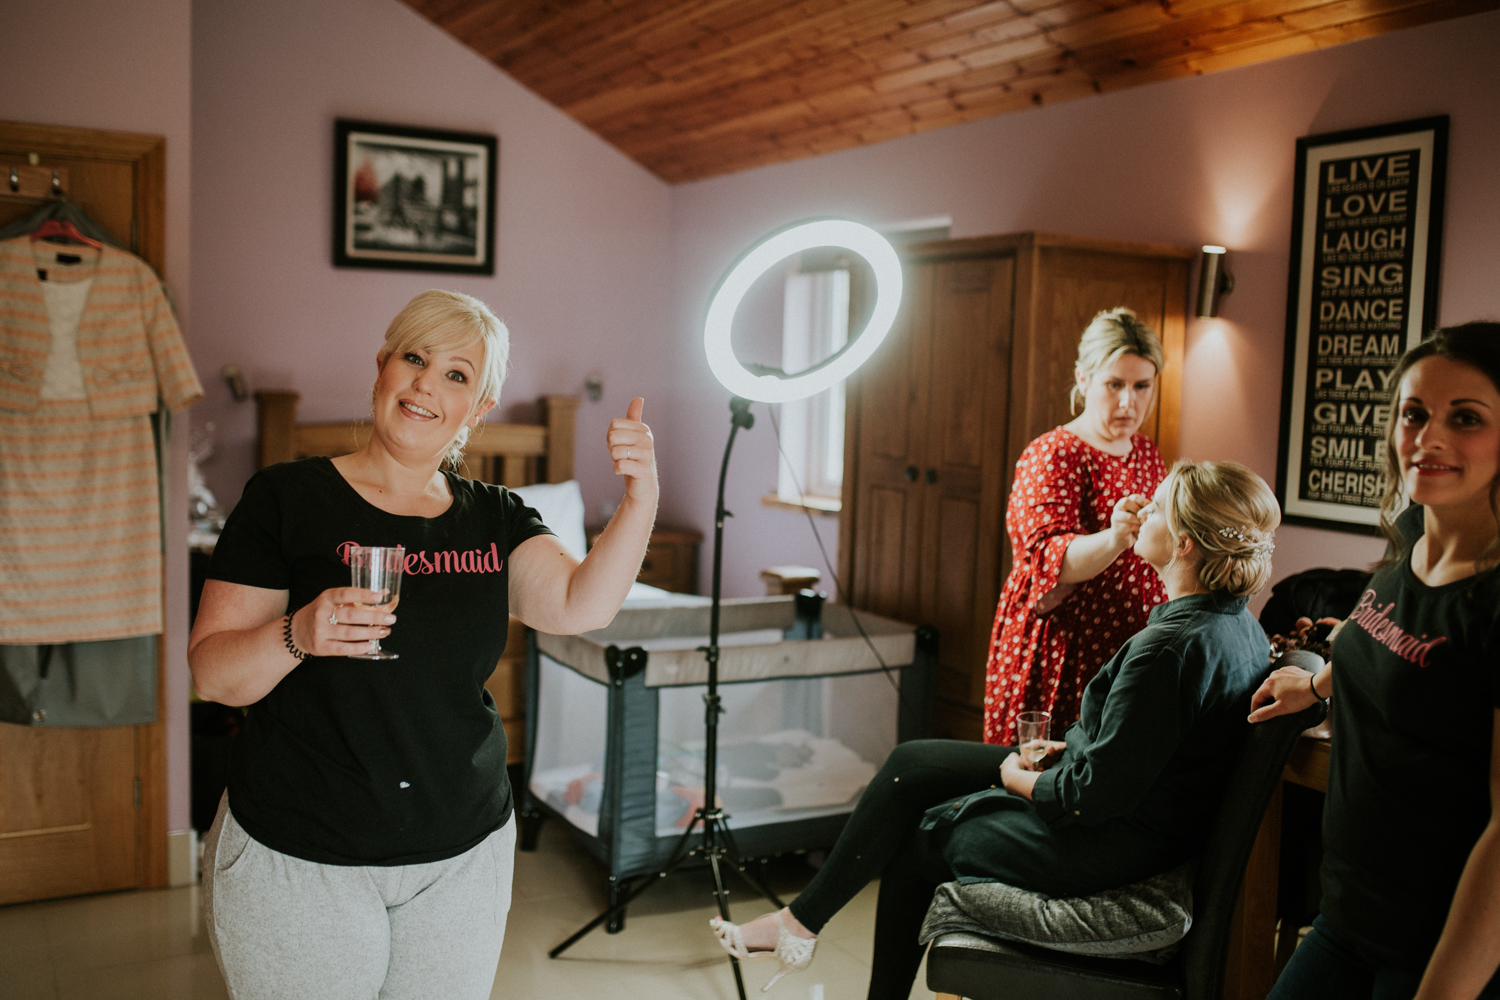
pixel 151 945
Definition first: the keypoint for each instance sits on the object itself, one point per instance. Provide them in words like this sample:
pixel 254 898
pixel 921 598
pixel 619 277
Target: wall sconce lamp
pixel 1213 281
pixel 235 380
pixel 594 383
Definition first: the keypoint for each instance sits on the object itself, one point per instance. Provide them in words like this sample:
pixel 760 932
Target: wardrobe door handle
pixel 931 476
pixel 911 473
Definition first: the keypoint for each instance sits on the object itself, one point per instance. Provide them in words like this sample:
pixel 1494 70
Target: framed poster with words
pixel 1367 215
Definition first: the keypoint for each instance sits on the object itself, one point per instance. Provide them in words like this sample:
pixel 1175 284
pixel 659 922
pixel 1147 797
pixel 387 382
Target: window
pixel 815 326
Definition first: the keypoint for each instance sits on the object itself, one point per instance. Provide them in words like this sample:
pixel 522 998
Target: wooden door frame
pixel 146 154
pixel 147 157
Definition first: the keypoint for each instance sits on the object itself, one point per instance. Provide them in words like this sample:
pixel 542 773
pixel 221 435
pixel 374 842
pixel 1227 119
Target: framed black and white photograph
pixel 413 199
pixel 1366 240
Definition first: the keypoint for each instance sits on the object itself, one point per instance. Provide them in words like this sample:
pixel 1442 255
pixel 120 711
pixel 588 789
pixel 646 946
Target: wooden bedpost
pixel 276 420
pixel 560 415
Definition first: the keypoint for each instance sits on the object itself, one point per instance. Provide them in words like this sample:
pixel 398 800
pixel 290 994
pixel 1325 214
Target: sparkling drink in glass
pixel 1031 730
pixel 377 567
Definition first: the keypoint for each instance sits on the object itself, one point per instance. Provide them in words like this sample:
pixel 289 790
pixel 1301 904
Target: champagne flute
pixel 1031 731
pixel 377 567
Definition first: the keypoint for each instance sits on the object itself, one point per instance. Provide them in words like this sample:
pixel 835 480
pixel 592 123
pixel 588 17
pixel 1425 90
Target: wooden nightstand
pixel 671 561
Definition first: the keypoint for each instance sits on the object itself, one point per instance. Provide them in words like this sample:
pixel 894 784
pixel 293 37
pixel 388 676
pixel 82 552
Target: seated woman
pixel 1129 794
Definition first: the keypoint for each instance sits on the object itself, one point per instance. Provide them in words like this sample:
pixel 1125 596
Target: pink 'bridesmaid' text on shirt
pixel 448 561
pixel 1377 622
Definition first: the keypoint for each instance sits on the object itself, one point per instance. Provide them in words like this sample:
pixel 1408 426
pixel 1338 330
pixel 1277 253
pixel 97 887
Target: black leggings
pixel 883 839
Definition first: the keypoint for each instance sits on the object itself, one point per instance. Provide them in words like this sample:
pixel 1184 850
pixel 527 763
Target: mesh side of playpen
pixel 789 749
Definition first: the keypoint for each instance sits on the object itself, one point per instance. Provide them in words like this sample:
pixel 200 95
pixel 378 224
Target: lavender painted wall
pixel 582 232
pixel 126 68
pixel 1192 161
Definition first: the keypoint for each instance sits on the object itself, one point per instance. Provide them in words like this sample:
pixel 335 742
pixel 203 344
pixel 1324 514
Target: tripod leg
pixel 622 901
pixel 680 853
pixel 721 895
pixel 616 908
pixel 758 884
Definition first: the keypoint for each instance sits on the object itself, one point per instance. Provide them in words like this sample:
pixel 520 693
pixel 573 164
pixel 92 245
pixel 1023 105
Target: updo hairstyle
pixel 1109 335
pixel 1476 345
pixel 1230 514
pixel 440 321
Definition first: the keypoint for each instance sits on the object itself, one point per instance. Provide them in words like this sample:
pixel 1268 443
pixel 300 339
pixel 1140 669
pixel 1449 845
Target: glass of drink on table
pixel 377 567
pixel 1031 732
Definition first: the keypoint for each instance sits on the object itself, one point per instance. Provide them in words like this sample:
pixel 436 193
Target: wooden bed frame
pixel 507 454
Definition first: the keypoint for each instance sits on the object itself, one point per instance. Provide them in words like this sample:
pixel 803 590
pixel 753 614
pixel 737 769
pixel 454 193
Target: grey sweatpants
pixel 287 929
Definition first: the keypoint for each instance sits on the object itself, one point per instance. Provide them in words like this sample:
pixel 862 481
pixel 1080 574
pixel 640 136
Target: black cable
pixel 838 588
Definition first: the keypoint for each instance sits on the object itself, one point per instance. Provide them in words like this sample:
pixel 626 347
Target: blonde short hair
pixel 1110 334
pixel 1231 515
pixel 438 320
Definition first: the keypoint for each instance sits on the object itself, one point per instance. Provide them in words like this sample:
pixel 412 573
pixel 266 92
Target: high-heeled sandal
pixel 793 952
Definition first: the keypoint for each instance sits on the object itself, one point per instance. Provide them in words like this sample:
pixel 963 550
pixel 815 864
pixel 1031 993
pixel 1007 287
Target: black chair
pixel 1313 593
pixel 981 969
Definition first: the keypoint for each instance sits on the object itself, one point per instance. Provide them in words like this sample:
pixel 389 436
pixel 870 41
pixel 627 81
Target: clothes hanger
pixel 54 229
pixel 63 210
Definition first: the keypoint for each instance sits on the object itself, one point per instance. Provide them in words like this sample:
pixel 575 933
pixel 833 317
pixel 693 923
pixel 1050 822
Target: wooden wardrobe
pixel 979 363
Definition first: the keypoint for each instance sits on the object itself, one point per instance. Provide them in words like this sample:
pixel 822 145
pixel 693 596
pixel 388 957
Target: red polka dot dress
pixel 1048 640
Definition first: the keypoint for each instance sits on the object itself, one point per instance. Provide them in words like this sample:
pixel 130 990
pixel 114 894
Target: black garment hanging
pixel 61 210
pixel 111 682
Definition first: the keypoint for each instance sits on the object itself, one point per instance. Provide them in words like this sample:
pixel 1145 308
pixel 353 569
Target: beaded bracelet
pixel 286 634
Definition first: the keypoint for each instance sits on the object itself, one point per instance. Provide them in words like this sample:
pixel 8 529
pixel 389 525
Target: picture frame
pixel 413 199
pixel 1367 213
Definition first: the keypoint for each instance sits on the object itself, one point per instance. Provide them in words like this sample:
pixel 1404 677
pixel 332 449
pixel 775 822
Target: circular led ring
pixel 761 258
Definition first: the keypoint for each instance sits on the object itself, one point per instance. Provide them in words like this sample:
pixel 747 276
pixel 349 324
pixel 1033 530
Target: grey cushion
pixel 1142 921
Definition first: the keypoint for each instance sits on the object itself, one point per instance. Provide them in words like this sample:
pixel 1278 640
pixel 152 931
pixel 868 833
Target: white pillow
pixel 561 507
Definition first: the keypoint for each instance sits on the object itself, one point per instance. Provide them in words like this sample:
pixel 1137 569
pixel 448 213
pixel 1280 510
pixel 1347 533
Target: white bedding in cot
pixel 780 776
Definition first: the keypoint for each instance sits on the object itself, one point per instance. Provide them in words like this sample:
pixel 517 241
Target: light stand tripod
pixel 718 843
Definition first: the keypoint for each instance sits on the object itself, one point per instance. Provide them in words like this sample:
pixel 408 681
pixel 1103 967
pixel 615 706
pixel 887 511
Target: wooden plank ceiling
pixel 696 88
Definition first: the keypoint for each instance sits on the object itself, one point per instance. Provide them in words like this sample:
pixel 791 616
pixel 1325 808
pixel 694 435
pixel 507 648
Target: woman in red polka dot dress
pixel 1076 591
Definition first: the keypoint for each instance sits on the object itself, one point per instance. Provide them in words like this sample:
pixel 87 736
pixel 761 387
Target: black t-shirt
pixel 1415 685
pixel 377 762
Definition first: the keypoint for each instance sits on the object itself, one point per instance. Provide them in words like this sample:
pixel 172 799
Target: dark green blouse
pixel 1136 790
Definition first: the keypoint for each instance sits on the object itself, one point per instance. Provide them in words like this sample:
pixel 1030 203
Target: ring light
pixel 757 261
pixel 717 846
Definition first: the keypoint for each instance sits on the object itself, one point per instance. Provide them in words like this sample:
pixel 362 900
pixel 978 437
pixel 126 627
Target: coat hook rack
pixel 33 181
